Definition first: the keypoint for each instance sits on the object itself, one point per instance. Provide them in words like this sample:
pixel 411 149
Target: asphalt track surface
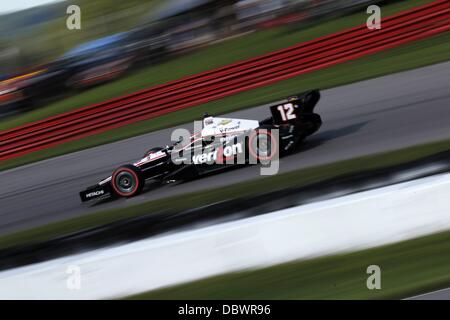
pixel 363 118
pixel 443 294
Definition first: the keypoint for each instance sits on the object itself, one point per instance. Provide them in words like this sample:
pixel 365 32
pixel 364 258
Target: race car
pixel 220 143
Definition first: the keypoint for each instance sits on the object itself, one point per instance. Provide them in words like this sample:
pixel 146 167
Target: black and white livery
pixel 220 143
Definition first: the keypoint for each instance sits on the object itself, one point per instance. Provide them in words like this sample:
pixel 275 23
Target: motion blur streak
pixel 388 113
pixel 408 26
pixel 260 241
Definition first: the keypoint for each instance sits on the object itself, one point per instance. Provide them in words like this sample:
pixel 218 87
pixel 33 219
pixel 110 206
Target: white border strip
pixel 348 223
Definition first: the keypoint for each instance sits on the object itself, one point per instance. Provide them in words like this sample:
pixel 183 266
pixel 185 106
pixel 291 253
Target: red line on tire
pixel 272 153
pixel 113 180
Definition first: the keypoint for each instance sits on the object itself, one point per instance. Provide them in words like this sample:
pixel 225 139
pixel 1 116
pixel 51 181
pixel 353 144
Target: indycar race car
pixel 219 143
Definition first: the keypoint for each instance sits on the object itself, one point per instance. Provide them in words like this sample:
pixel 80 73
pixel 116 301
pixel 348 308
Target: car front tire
pixel 127 181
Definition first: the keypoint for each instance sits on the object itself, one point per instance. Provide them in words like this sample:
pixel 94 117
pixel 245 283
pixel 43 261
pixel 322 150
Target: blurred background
pixel 42 61
pixel 375 133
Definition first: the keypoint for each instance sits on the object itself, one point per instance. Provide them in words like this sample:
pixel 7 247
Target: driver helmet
pixel 208 120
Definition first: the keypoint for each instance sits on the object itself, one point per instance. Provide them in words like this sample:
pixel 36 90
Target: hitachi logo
pixel 211 157
pixel 95 193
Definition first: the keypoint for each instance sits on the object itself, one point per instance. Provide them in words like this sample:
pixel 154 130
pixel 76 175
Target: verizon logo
pixel 211 157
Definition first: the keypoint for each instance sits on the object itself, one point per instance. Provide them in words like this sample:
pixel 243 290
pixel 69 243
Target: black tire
pixel 310 123
pixel 265 152
pixel 127 181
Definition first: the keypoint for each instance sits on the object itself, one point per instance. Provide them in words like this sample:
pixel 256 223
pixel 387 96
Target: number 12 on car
pixel 287 111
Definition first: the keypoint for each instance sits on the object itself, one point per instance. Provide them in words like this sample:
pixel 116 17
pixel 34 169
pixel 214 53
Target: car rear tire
pixel 127 181
pixel 262 146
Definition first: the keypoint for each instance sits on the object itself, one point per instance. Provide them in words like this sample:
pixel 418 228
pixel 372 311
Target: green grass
pixel 407 269
pixel 220 54
pixel 421 53
pixel 248 188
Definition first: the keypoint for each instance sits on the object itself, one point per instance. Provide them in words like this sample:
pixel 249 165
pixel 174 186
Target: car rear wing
pixel 301 103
